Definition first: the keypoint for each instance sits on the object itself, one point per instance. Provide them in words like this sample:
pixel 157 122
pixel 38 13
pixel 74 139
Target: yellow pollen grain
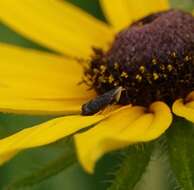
pixel 174 54
pixel 88 81
pixel 187 58
pixel 116 83
pixel 124 74
pixel 110 79
pixel 116 65
pixel 142 69
pixel 102 68
pixel 162 67
pixel 170 68
pixel 102 79
pixel 155 76
pixel 138 78
pixel 95 70
pixel 154 61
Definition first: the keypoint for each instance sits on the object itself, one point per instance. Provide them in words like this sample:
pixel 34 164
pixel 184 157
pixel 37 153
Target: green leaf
pixel 7 35
pixel 47 171
pixel 158 175
pixel 186 5
pixel 132 167
pixel 92 7
pixel 180 144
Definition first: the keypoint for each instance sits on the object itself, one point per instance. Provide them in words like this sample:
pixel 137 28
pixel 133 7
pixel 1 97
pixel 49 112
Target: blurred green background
pixel 74 178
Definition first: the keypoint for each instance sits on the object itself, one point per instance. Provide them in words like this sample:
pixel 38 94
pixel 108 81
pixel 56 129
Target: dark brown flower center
pixel 152 59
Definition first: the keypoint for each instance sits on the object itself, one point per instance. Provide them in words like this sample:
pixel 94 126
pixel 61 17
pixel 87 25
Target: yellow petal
pixel 56 24
pixel 162 119
pixel 39 83
pixel 116 12
pixel 129 126
pixel 44 134
pixel 87 142
pixel 185 109
pixel 121 13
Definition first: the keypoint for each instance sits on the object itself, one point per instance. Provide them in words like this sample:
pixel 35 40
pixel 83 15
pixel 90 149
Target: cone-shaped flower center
pixel 153 59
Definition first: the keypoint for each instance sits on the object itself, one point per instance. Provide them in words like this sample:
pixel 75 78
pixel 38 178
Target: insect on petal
pixel 129 126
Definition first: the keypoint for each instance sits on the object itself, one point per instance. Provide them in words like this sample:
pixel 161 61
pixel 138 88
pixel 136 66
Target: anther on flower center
pixel 152 59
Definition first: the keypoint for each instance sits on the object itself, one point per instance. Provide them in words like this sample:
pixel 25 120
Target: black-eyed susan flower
pixel 135 72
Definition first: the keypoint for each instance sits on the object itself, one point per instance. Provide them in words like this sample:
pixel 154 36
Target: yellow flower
pixel 33 82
